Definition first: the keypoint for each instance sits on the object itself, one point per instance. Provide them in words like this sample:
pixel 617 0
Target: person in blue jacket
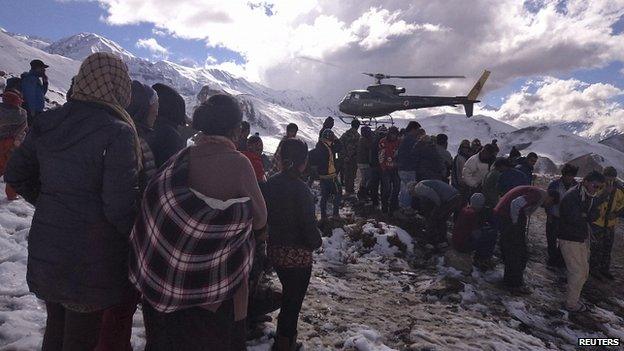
pixel 34 88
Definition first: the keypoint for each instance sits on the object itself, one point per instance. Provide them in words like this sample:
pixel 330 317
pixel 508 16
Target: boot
pixel 284 343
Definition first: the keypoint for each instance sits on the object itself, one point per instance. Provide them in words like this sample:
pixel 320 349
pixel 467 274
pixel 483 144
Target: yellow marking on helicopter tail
pixel 474 92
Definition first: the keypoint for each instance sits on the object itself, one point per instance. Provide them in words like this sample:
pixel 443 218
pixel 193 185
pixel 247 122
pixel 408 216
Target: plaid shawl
pixel 186 249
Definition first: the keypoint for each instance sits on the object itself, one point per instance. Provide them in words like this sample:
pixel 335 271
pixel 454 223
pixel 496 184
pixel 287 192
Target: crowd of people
pixel 126 214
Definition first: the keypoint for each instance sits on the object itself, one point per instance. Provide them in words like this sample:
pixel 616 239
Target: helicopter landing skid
pixel 367 121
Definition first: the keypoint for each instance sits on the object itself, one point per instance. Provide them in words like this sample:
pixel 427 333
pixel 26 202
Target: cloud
pixel 152 45
pixel 512 38
pixel 551 100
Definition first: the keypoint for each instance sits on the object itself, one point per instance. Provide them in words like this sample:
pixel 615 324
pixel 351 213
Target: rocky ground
pixel 374 287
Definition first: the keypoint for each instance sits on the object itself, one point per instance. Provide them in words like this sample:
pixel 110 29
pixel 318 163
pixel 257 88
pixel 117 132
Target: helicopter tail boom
pixel 468 108
pixel 476 90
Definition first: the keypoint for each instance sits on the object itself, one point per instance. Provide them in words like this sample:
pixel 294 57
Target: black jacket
pixel 429 164
pixel 576 213
pixel 78 166
pixel 291 219
pixel 165 141
pixel 320 158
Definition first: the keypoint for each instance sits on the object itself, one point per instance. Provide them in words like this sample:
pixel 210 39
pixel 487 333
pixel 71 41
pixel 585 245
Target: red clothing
pixel 6 147
pixel 533 198
pixel 388 153
pixel 467 222
pixel 257 164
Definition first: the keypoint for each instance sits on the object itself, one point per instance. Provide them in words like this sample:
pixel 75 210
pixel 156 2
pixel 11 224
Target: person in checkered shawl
pixel 192 246
pixel 78 166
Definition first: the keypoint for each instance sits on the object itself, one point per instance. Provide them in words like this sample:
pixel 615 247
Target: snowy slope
pixel 614 141
pixel 15 57
pixel 559 145
pixel 458 127
pixel 555 143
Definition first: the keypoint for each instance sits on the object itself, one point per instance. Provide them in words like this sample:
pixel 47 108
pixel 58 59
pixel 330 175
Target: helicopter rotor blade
pixel 319 61
pixel 426 77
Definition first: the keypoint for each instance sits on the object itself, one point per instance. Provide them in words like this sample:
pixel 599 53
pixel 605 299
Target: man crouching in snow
pixel 512 213
pixel 435 200
pixel 473 231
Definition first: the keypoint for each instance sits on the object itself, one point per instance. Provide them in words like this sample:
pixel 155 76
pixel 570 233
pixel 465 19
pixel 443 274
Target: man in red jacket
pixel 390 181
pixel 512 213
pixel 254 154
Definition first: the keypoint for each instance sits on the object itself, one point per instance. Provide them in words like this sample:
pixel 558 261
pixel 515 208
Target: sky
pixel 550 60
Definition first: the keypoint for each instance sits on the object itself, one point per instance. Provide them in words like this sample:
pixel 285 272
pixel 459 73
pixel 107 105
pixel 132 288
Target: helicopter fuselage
pixel 382 99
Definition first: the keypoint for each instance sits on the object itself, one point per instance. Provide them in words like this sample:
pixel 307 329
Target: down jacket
pixel 78 166
pixel 474 171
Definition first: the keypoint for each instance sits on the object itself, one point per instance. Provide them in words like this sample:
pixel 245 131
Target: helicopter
pixel 381 100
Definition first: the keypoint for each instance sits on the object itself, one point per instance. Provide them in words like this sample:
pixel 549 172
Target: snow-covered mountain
pixel 270 110
pixel 188 80
pixel 79 46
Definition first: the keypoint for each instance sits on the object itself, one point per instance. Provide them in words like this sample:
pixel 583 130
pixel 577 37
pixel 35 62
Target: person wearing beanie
pixel 323 159
pixel 201 298
pixel 473 231
pixel 561 185
pixel 436 201
pixel 166 139
pixel 348 154
pixel 292 237
pixel 603 229
pixel 13 126
pixel 79 165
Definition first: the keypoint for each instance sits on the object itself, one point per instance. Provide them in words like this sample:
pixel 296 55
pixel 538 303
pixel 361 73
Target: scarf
pixel 103 78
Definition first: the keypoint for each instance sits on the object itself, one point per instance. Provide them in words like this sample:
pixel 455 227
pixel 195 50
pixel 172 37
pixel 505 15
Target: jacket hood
pixel 172 108
pixel 75 121
pixel 140 103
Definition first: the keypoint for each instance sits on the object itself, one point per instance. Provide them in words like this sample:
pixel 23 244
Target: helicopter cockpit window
pixel 356 96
